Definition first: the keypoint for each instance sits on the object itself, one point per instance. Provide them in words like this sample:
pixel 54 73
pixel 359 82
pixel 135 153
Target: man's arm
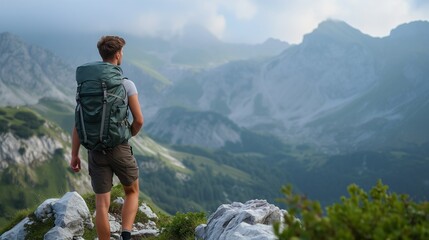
pixel 75 160
pixel 138 120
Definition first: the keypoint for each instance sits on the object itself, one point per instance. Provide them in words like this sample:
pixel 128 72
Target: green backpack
pixel 101 116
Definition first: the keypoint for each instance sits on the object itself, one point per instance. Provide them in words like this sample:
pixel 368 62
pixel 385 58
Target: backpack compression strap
pixel 103 117
pixel 82 123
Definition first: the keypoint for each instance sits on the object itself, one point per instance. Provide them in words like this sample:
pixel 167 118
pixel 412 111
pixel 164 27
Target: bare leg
pixel 131 204
pixel 102 203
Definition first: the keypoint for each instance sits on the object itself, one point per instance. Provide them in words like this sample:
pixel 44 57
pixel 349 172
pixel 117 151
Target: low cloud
pixel 238 21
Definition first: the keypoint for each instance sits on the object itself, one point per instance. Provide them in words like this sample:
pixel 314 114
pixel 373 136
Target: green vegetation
pixel 21 121
pixel 18 217
pixel 181 226
pixel 39 228
pixel 205 188
pixel 58 112
pixel 377 214
pixel 242 171
pixel 36 183
pixel 237 172
pixel 373 215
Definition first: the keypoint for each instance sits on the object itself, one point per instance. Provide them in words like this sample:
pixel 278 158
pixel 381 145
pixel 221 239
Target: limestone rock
pixel 58 233
pixel 238 221
pixel 71 216
pixel 44 211
pixel 17 232
pixel 71 212
pixel 41 149
pixel 146 210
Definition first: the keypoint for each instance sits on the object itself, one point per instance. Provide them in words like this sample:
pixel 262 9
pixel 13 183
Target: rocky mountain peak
pixel 416 29
pixel 273 43
pixel 334 31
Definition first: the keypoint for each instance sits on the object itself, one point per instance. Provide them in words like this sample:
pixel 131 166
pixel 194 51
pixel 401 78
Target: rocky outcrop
pixel 71 215
pixel 237 221
pixel 15 150
pixel 17 232
pixel 71 218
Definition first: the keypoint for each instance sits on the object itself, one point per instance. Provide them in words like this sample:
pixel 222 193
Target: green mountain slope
pixel 34 161
pixel 190 178
pixel 184 178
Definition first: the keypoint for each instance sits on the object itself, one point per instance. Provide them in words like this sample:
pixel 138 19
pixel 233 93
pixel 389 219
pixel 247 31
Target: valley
pixel 221 126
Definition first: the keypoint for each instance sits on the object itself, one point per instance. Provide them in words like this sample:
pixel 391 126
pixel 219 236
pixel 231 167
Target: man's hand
pixel 75 163
pixel 75 160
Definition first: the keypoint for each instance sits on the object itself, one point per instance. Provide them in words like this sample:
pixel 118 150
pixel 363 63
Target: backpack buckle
pixel 103 85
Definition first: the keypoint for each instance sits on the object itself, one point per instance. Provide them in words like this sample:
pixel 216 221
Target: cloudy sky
pixel 250 21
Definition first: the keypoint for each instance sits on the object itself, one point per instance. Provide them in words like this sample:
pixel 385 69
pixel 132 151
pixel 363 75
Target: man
pixel 118 160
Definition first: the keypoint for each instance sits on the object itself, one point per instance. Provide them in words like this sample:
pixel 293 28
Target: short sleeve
pixel 130 87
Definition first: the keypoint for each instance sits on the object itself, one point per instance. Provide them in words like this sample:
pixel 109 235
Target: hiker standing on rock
pixel 101 126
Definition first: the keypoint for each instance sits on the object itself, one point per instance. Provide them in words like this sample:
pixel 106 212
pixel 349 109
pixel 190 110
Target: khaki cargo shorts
pixel 103 164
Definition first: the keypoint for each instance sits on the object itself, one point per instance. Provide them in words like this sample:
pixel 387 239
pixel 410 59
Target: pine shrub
pixel 377 214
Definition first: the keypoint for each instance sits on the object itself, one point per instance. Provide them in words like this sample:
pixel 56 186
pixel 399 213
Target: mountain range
pixel 338 89
pixel 228 123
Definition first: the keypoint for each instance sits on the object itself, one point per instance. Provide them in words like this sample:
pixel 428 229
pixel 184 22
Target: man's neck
pixel 114 62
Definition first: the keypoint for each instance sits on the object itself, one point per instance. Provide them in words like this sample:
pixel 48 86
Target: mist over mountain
pixel 339 87
pixel 29 73
pixel 195 46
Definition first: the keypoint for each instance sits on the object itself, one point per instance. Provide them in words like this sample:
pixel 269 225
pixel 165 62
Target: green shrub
pixel 26 116
pixel 38 228
pixel 182 226
pixel 18 217
pixel 90 201
pixel 374 215
pixel 4 126
pixel 22 131
pixel 117 191
pixel 30 119
pixel 90 233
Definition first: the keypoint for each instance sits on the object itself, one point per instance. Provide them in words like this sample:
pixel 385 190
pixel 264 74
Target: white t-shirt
pixel 130 87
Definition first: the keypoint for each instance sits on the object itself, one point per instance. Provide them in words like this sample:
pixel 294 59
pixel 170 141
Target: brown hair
pixel 108 46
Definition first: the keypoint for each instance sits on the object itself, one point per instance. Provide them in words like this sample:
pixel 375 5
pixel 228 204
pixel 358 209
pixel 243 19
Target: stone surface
pixel 41 149
pixel 17 232
pixel 71 212
pixel 71 216
pixel 45 211
pixel 148 211
pixel 238 221
pixel 58 233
